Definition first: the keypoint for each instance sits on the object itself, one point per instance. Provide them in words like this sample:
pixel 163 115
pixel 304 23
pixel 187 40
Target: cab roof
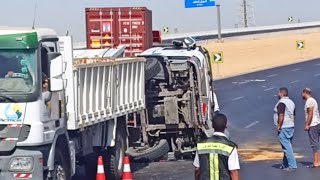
pixel 42 33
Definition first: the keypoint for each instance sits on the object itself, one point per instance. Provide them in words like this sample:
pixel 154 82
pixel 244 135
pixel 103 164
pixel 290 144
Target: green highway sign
pixel 300 45
pixel 217 57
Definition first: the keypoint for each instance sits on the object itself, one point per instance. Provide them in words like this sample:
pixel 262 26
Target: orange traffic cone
pixel 100 170
pixel 126 169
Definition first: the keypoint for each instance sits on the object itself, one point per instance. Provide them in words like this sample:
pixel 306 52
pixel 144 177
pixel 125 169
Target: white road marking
pixel 268 89
pixel 294 81
pixel 317 64
pixel 295 69
pixel 237 98
pixel 316 75
pixel 253 80
pixel 252 124
pixel 272 75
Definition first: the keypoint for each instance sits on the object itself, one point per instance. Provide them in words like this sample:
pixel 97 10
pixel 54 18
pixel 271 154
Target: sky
pixel 68 15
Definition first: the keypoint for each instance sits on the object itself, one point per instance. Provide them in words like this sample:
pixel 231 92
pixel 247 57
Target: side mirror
pixel 53 55
pixel 56 82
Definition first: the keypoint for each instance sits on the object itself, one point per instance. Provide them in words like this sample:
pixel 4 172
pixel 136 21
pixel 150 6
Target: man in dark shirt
pixel 284 113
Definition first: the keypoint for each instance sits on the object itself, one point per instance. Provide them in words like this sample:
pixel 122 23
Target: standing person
pixel 44 82
pixel 284 113
pixel 312 125
pixel 217 157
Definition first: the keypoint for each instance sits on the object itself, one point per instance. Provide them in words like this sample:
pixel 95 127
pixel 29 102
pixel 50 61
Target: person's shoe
pixel 289 169
pixel 313 166
pixel 282 166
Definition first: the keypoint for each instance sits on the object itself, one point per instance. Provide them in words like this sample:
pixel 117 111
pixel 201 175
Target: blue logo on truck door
pixel 11 113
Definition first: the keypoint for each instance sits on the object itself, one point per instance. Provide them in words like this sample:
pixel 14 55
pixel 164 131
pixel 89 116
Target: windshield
pixel 17 71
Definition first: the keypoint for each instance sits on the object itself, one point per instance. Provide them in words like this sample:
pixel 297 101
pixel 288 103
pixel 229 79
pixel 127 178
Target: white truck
pixel 96 104
pixel 44 133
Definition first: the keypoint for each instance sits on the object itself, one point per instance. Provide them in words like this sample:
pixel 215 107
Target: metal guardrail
pixel 205 35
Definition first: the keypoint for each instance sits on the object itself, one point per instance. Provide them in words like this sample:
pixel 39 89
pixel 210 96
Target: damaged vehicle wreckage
pixel 180 101
pixel 97 104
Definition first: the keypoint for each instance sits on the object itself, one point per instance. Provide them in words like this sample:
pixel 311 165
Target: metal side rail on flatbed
pixel 101 87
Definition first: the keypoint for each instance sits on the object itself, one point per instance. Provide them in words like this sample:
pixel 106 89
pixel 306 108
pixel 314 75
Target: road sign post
pixel 205 3
pixel 219 22
pixel 217 58
pixel 300 45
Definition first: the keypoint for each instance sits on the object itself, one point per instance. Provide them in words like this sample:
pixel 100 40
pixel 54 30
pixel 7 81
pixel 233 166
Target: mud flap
pixel 111 141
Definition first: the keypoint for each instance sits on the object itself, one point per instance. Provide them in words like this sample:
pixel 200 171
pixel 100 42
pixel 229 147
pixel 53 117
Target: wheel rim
pixel 60 174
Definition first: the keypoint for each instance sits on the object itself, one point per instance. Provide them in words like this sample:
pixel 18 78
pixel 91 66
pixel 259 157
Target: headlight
pixel 21 164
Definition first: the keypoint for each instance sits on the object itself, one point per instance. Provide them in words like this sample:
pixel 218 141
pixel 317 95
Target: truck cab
pixel 31 113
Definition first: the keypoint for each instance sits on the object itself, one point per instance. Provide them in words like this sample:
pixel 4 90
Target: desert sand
pixel 257 52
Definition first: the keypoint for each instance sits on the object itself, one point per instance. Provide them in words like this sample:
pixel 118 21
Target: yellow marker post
pixel 300 45
pixel 217 58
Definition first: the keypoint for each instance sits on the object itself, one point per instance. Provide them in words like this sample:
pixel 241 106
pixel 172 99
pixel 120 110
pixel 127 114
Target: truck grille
pixel 10 134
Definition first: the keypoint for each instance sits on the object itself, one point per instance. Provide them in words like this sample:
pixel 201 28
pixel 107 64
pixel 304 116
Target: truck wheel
pixel 113 158
pixel 61 170
pixel 153 67
pixel 150 154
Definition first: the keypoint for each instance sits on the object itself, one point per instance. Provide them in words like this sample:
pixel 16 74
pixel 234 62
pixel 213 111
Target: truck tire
pixel 113 158
pixel 61 170
pixel 150 154
pixel 153 67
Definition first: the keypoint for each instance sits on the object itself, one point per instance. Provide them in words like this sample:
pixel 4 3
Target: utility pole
pixel 246 16
pixel 219 21
pixel 245 13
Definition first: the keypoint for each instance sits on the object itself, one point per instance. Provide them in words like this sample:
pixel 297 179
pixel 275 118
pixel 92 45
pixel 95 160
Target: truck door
pixel 50 99
pixel 206 54
pixel 205 100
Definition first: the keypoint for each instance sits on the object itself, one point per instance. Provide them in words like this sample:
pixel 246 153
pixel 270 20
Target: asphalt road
pixel 248 100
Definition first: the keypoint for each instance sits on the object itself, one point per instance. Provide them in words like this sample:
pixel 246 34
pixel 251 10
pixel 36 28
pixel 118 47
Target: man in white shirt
pixel 217 156
pixel 312 125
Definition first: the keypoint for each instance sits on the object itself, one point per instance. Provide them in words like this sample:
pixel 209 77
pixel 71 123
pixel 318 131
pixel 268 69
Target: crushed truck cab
pixel 179 100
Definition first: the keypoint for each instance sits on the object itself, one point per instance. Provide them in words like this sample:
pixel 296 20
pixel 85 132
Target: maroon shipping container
pixel 111 27
pixel 156 36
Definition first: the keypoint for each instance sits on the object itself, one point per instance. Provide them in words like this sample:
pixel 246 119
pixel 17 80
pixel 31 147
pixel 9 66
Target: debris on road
pixel 262 152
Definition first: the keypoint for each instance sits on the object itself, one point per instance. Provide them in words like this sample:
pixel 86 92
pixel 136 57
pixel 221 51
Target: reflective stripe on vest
pixel 214 166
pixel 215 148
